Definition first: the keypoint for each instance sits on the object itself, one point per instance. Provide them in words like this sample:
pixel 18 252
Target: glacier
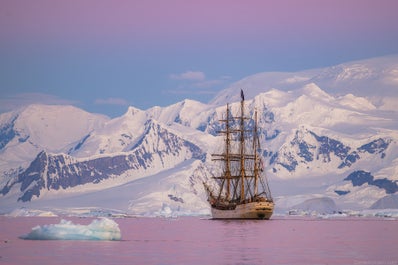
pixel 61 160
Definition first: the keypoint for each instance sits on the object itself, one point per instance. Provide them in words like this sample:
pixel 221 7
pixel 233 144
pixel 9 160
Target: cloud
pixel 195 82
pixel 12 102
pixel 189 75
pixel 111 101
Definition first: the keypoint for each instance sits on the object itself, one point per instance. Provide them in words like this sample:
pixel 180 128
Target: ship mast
pixel 242 192
pixel 227 156
pixel 242 148
pixel 240 180
pixel 256 158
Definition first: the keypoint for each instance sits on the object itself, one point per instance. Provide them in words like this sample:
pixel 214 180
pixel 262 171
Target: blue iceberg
pixel 99 229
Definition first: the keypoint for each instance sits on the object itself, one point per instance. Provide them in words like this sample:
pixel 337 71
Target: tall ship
pixel 242 190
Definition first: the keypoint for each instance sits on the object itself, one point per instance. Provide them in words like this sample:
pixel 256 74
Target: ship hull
pixel 252 210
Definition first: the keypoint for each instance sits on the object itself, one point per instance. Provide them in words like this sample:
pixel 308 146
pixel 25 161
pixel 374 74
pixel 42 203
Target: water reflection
pixel 242 241
pixel 198 241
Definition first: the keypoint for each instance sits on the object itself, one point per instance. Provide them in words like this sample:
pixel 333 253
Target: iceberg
pixel 315 206
pixel 387 202
pixel 99 229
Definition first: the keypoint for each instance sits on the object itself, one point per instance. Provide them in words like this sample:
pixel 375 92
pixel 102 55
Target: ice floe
pixel 98 229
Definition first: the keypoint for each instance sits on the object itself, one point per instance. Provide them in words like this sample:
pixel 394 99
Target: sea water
pixel 193 240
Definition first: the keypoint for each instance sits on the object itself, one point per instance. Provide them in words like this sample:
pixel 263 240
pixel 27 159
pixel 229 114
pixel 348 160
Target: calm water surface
pixel 202 241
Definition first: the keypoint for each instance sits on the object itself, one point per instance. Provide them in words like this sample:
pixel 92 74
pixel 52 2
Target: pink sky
pixel 178 19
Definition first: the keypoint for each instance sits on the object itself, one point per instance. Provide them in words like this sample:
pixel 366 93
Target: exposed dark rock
pixel 7 133
pixel 77 147
pixel 324 148
pixel 290 165
pixel 388 185
pixel 53 172
pixel 328 146
pixel 342 192
pixel 350 159
pixel 360 177
pixel 175 198
pixel 272 135
pixel 375 147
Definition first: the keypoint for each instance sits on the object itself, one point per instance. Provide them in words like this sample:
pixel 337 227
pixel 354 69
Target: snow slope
pixel 26 132
pixel 317 144
pixel 376 78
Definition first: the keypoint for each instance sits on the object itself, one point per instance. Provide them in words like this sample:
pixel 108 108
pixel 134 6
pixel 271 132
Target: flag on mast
pixel 242 95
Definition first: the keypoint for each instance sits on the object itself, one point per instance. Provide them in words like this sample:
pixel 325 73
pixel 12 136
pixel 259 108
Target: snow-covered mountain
pixel 375 78
pixel 323 141
pixel 26 132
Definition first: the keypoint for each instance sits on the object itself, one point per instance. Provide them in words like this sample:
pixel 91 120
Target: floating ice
pixel 99 229
pixel 31 212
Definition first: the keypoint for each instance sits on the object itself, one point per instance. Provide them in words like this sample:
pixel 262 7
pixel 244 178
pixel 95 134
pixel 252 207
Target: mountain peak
pixel 356 71
pixel 131 111
pixel 357 77
pixel 314 91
